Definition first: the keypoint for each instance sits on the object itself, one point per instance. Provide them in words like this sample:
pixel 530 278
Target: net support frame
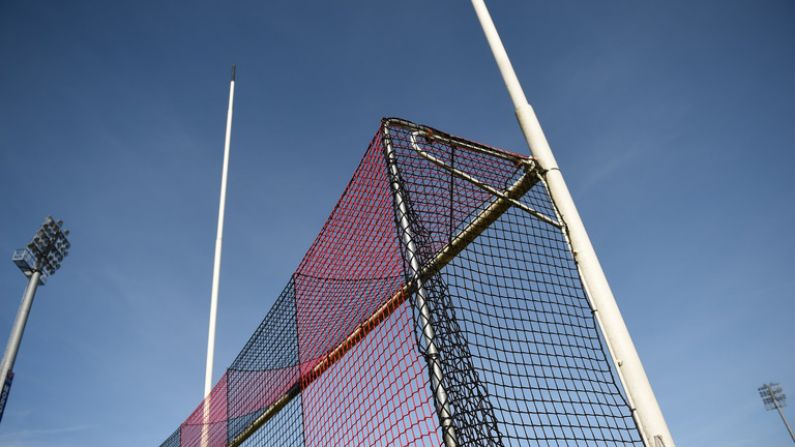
pixel 476 182
pixel 425 322
pixel 643 402
pixel 503 200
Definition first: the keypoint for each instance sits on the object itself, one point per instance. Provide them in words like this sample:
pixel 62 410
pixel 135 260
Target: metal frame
pixel 496 208
pixel 640 395
pixel 425 322
pixel 471 179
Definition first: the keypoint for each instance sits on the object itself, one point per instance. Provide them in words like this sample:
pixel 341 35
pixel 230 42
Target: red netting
pixel 376 394
pixel 353 266
pixel 207 424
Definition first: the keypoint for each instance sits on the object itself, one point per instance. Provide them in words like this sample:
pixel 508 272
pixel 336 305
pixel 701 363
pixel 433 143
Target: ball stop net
pixel 440 305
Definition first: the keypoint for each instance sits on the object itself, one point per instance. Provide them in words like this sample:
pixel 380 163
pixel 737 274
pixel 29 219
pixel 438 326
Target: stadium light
pixel 774 399
pixel 39 260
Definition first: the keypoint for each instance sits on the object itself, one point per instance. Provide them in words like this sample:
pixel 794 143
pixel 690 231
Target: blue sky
pixel 672 122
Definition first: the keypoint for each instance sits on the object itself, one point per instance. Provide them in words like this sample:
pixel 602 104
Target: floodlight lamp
pixel 25 260
pixel 773 396
pixel 40 242
pixel 46 250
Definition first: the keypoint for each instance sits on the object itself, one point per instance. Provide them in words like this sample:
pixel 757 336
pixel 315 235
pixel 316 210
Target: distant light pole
pixel 774 398
pixel 40 259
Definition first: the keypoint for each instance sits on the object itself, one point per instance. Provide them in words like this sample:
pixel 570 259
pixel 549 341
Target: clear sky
pixel 672 121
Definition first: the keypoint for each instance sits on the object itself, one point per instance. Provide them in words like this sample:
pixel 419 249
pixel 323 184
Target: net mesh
pixel 439 305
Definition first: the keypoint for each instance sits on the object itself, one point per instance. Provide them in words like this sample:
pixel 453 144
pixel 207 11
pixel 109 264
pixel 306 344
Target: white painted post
pixel 645 408
pixel 219 238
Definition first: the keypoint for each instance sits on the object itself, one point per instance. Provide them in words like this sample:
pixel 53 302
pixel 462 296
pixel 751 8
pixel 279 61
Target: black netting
pixel 172 441
pixel 511 316
pixel 285 429
pixel 266 368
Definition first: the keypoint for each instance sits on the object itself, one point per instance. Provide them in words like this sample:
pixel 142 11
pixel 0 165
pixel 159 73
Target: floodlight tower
pixel 774 399
pixel 40 259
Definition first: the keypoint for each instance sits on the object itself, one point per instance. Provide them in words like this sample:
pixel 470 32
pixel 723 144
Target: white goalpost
pixel 642 400
pixel 219 241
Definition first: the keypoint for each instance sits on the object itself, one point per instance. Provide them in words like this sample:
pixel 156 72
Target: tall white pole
pixel 643 403
pixel 219 240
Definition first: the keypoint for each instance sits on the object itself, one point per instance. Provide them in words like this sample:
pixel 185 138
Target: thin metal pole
pixel 14 340
pixel 780 412
pixel 219 240
pixel 426 321
pixel 786 423
pixel 641 397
